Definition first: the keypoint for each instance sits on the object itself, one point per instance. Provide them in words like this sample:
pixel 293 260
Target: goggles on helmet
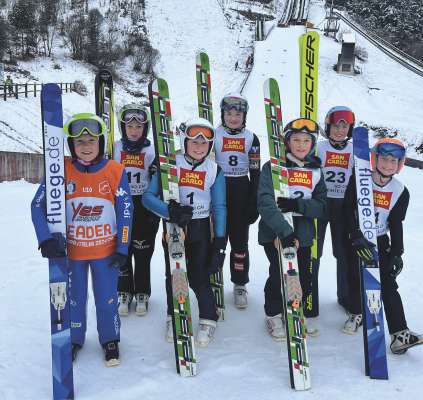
pixel 391 149
pixel 193 132
pixel 302 125
pixel 78 127
pixel 134 115
pixel 341 115
pixel 236 103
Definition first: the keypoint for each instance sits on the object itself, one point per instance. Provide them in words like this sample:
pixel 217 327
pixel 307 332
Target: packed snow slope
pixel 385 94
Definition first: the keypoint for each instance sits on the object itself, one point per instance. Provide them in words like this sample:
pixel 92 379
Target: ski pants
pixel 394 310
pixel 136 279
pixel 237 227
pixel 104 281
pixel 273 301
pixel 197 251
pixel 339 244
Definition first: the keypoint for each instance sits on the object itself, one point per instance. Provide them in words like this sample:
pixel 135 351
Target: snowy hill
pixel 242 362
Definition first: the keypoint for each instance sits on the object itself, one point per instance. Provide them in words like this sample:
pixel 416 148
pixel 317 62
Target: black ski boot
pixel 111 353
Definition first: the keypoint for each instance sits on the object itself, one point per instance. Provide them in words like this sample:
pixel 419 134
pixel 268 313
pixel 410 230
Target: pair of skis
pixel 298 358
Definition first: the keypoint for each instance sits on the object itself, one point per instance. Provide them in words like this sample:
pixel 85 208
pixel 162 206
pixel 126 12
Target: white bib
pixel 302 182
pixel 384 199
pixel 232 151
pixel 195 185
pixel 136 166
pixel 337 167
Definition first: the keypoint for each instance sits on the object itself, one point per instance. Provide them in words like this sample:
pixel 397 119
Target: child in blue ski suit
pixel 98 229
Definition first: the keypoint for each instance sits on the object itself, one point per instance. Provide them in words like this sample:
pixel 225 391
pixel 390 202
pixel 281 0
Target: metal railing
pixel 17 90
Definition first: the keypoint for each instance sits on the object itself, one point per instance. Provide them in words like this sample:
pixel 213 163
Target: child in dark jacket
pixel 307 201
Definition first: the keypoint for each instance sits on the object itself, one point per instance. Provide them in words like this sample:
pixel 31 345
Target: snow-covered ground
pixel 242 362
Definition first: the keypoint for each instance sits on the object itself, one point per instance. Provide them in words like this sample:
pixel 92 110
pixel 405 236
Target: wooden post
pixel 16 91
pixel 35 90
pixel 26 90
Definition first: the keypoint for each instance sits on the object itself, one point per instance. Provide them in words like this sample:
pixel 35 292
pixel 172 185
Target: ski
pixel 186 364
pixel 373 324
pixel 104 106
pixel 291 290
pixel 309 72
pixel 53 141
pixel 205 110
pixel 205 107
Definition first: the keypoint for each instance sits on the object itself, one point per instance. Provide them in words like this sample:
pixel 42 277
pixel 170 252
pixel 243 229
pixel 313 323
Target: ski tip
pixel 51 89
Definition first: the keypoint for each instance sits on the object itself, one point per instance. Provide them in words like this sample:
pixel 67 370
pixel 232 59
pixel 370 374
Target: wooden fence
pixel 14 166
pixel 30 166
pixel 25 89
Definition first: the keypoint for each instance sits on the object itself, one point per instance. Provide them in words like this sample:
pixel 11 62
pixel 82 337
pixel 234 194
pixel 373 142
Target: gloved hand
pixel 289 241
pixel 287 205
pixel 52 248
pixel 217 257
pixel 118 260
pixel 362 247
pixel 179 214
pixel 395 265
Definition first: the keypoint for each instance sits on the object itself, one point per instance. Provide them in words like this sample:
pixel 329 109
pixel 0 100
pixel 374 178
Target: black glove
pixel 118 260
pixel 289 241
pixel 217 257
pixel 362 247
pixel 52 248
pixel 179 214
pixel 252 213
pixel 287 205
pixel 395 265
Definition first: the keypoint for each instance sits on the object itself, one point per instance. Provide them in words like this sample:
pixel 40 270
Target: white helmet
pixel 194 128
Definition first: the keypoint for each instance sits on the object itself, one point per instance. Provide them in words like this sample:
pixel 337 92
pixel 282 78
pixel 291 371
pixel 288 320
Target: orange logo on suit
pixel 194 179
pixel 230 144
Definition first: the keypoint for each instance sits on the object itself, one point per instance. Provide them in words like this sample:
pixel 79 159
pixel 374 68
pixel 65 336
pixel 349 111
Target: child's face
pixel 134 130
pixel 387 164
pixel 300 145
pixel 197 148
pixel 339 131
pixel 86 147
pixel 233 118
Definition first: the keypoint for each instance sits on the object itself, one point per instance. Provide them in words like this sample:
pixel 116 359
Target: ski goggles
pixel 346 116
pixel 194 132
pixel 236 103
pixel 78 127
pixel 391 149
pixel 302 125
pixel 134 115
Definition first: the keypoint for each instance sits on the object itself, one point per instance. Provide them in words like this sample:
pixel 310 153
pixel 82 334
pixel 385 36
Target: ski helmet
pixel 302 125
pixel 388 147
pixel 83 123
pixel 236 101
pixel 194 128
pixel 133 112
pixel 337 114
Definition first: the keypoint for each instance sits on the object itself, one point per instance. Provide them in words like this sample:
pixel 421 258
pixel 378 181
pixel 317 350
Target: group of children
pixel 230 196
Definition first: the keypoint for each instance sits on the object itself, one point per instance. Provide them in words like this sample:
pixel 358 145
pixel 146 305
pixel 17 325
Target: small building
pixel 346 59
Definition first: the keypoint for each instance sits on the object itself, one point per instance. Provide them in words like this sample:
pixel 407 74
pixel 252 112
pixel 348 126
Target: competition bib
pixel 302 182
pixel 232 151
pixel 384 199
pixel 336 166
pixel 194 185
pixel 136 167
